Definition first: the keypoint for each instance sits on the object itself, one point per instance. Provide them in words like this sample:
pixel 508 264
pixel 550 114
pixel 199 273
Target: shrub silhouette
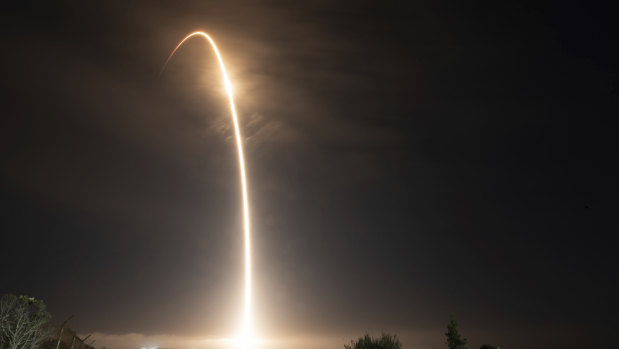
pixel 386 341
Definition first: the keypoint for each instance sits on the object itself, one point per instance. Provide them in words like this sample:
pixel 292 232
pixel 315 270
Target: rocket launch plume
pixel 246 330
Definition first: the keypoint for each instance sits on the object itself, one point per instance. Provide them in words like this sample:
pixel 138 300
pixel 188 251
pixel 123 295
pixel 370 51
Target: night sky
pixel 406 161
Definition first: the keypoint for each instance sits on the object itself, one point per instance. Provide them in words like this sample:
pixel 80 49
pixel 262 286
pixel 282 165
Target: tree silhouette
pixel 22 321
pixel 386 341
pixel 454 339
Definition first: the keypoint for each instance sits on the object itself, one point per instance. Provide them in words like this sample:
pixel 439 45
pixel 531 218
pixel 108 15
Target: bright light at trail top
pixel 246 337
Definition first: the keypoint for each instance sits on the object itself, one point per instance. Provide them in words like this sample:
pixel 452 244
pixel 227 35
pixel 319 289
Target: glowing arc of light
pixel 246 330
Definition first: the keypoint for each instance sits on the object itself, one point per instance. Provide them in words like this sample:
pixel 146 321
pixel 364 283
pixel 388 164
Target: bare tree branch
pixel 22 321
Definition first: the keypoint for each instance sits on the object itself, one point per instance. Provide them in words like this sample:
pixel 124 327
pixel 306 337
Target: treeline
pixel 24 324
pixel 389 341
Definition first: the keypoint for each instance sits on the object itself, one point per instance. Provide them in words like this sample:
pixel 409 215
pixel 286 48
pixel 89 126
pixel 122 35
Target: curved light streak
pixel 246 335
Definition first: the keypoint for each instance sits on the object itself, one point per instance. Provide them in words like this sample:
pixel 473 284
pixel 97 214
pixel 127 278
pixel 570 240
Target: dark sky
pixel 406 162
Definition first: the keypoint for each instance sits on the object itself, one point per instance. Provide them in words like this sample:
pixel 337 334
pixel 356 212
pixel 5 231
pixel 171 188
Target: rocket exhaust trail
pixel 246 326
